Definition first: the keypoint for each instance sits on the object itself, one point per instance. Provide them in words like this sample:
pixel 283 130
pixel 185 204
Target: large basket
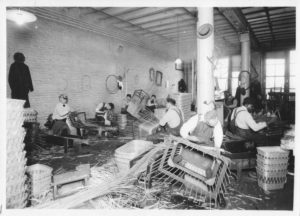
pixel 270 152
pixel 190 183
pixel 40 179
pixel 272 161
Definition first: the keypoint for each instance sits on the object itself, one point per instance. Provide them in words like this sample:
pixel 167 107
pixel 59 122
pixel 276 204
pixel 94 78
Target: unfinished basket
pixel 193 184
pixel 40 176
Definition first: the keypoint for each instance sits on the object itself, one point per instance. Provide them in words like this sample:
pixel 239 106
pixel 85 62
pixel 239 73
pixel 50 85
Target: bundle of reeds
pixel 116 185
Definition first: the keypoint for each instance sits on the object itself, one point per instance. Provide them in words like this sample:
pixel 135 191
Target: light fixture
pixel 178 61
pixel 20 17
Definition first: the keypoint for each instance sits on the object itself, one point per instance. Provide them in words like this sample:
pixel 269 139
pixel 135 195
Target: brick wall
pixel 63 59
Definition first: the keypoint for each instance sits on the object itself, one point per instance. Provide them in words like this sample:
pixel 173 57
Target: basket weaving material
pixel 16 195
pixel 40 179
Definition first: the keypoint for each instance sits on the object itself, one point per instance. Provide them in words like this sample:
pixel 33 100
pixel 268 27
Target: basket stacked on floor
pixel 271 168
pixel 16 188
pixel 122 121
pixel 183 102
pixel 41 178
pixel 30 115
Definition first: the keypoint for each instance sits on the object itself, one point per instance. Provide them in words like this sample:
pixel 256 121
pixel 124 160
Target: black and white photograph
pixel 149 106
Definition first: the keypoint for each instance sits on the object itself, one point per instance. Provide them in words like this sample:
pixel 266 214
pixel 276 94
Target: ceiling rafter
pixel 270 23
pixel 146 30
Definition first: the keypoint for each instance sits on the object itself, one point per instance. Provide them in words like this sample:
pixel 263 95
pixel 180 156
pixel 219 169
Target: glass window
pixel 292 78
pixel 275 73
pixel 221 73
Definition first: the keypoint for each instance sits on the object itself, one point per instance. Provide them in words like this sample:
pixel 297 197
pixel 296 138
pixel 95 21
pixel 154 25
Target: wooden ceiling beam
pixel 270 23
pixel 238 21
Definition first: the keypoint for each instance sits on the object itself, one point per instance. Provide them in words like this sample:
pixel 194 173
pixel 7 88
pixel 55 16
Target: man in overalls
pixel 242 123
pixel 204 129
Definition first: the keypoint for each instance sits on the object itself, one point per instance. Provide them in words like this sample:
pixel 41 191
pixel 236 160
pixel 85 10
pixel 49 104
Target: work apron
pixel 204 133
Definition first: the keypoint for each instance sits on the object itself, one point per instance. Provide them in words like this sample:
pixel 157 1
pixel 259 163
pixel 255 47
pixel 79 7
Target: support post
pixel 245 64
pixel 205 47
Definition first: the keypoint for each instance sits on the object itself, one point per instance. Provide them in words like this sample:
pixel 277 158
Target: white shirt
pixel 244 120
pixel 60 111
pixel 191 125
pixel 171 117
pixel 100 105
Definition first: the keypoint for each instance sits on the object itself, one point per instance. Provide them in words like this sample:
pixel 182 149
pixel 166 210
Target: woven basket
pixel 267 187
pixel 273 161
pixel 272 152
pixel 272 174
pixel 41 176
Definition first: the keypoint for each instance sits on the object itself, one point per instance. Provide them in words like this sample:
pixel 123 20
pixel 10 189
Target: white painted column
pixel 245 63
pixel 205 47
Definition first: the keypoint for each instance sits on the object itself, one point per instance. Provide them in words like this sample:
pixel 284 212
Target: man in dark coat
pixel 19 79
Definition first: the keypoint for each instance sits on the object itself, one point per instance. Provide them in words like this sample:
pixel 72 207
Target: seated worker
pixel 172 120
pixel 242 123
pixel 204 128
pixel 125 104
pixel 60 115
pixel 152 104
pixel 104 113
pixel 100 111
pixel 109 114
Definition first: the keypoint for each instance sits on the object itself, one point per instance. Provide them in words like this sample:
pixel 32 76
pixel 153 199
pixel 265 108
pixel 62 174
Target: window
pixel 292 78
pixel 234 81
pixel 221 73
pixel 275 70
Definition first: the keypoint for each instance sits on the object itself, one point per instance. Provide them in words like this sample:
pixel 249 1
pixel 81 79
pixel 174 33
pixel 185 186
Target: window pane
pixel 234 85
pixel 279 82
pixel 292 82
pixel 292 90
pixel 279 71
pixel 270 82
pixel 235 74
pixel 270 70
pixel 292 69
pixel 222 68
pixel 223 84
pixel 292 56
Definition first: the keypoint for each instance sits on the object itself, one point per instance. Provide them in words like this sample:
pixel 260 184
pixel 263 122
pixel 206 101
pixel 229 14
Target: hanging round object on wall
pixel 112 84
pixel 204 31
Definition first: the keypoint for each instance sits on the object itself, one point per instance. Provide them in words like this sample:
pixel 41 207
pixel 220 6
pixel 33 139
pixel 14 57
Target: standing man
pixel 19 79
pixel 205 129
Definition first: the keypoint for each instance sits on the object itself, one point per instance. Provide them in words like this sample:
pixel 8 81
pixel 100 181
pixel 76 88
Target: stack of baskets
pixel 30 115
pixel 16 188
pixel 40 176
pixel 271 168
pixel 122 121
pixel 183 102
